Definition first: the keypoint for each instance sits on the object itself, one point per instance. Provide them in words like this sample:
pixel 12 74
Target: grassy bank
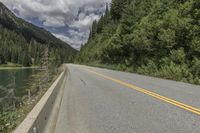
pixel 9 64
pixel 14 66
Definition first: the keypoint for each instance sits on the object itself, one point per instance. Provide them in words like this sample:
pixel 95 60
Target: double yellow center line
pixel 155 95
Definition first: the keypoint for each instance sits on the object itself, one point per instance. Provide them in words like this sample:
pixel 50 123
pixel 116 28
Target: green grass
pixel 10 65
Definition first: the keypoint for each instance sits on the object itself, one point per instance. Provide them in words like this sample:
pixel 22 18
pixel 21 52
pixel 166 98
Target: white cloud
pixel 74 41
pixel 77 14
pixel 84 21
pixel 54 21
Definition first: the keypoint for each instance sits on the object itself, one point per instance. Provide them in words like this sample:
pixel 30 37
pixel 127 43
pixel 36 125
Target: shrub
pixel 195 68
pixel 149 69
pixel 175 72
pixel 178 56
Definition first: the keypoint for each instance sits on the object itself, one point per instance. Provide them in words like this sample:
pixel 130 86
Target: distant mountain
pixel 26 44
pixel 28 30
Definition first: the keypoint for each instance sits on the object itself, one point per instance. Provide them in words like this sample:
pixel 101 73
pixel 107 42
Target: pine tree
pixel 117 7
pixel 2 59
pixel 100 25
pixel 94 29
pixel 107 15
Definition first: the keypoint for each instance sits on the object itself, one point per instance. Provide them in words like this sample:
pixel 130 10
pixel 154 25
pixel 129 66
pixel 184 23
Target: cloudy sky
pixel 69 20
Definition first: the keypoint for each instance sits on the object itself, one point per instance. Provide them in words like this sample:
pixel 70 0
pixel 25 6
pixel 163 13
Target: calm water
pixel 16 79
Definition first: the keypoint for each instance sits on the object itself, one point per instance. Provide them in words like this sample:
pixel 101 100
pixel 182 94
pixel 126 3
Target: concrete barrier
pixel 44 111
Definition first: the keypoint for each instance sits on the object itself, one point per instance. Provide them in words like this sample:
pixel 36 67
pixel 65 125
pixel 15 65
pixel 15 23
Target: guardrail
pixel 37 120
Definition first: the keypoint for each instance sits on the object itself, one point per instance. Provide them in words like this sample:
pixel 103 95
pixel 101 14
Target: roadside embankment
pixel 44 113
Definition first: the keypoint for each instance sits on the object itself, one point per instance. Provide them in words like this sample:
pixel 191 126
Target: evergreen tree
pixel 117 7
pixel 100 24
pixel 2 60
pixel 107 14
pixel 94 29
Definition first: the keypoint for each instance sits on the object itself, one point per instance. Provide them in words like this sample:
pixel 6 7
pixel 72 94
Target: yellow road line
pixel 155 95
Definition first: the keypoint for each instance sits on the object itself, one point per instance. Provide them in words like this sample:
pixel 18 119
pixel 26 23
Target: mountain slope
pixel 153 37
pixel 26 44
pixel 28 30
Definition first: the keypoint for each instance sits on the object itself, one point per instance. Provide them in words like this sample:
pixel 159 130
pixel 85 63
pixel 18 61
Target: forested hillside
pixel 26 44
pixel 153 37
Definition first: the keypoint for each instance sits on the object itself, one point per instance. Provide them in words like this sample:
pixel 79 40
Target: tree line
pixel 153 37
pixel 16 49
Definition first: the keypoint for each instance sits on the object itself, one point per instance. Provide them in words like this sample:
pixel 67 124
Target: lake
pixel 17 79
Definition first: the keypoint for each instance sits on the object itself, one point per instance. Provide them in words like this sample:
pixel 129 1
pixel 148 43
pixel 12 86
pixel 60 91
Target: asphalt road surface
pixel 105 101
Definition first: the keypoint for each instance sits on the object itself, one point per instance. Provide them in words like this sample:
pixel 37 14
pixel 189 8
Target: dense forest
pixel 154 37
pixel 15 48
pixel 25 44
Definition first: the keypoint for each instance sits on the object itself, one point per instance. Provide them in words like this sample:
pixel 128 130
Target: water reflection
pixel 13 84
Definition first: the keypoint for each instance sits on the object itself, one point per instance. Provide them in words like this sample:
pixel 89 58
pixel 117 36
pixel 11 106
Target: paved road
pixel 105 101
